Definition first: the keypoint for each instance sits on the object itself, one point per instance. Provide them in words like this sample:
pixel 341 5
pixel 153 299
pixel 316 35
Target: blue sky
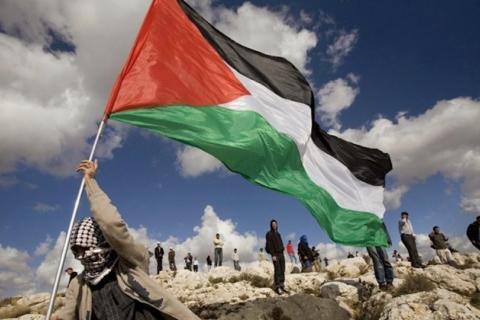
pixel 398 62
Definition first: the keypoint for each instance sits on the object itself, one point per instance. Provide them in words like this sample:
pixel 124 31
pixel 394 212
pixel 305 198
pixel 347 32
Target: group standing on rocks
pixel 115 282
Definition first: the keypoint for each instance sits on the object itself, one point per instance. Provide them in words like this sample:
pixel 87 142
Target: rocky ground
pixel 344 290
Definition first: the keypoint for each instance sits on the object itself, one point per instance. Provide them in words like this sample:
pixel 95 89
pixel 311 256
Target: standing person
pixel 316 260
pixel 326 261
pixel 396 256
pixel 171 259
pixel 71 275
pixel 439 243
pixel 291 252
pixel 473 233
pixel 261 255
pixel 209 263
pixel 274 247
pixel 188 261
pixel 218 244
pixel 408 239
pixel 236 260
pixel 195 264
pixel 159 257
pixel 305 254
pixel 382 267
pixel 114 283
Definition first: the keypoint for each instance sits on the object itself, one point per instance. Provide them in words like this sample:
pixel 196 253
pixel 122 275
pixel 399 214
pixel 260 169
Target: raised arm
pixel 111 223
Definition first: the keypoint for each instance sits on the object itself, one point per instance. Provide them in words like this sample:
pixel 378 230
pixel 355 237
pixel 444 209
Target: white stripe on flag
pixel 293 119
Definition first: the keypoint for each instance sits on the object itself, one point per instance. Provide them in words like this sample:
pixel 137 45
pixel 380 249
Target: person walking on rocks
pixel 440 245
pixel 408 239
pixel 171 259
pixel 305 254
pixel 326 261
pixel 236 260
pixel 209 263
pixel 291 252
pixel 218 254
pixel 473 233
pixel 159 257
pixel 114 283
pixel 274 247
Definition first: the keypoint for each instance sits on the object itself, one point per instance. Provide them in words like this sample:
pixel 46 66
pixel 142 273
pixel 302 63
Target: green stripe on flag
pixel 250 146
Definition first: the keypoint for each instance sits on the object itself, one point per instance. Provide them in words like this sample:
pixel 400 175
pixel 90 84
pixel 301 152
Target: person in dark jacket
pixel 209 263
pixel 274 247
pixel 473 233
pixel 159 257
pixel 305 254
pixel 171 259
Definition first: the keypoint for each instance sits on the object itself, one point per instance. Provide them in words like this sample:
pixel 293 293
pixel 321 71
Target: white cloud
pixel 44 247
pixel 336 96
pixel 341 47
pixel 46 271
pixel 444 139
pixel 194 162
pixel 15 273
pixel 58 97
pixel 200 244
pixel 336 252
pixel 392 198
pixel 45 208
pixel 267 31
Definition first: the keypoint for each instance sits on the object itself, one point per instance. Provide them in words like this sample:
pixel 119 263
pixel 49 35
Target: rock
pixel 298 306
pixel 353 267
pixel 345 294
pixel 437 304
pixel 305 282
pixel 450 278
pixel 295 269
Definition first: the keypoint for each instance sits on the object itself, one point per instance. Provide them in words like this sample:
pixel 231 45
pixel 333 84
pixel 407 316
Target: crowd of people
pixel 115 283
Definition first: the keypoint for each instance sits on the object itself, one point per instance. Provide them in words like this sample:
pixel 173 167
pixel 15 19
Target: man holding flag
pixel 115 282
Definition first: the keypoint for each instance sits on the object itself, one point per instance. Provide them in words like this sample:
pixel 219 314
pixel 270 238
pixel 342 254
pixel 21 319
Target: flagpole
pixel 70 226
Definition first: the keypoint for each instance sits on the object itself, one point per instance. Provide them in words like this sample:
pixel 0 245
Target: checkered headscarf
pixel 99 258
pixel 86 233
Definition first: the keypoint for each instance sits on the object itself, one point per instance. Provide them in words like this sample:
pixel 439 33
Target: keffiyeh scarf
pixel 98 258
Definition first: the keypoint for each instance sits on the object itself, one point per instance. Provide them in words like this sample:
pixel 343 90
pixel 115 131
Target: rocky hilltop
pixel 343 290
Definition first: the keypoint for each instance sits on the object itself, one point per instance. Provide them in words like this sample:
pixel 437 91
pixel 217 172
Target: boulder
pixel 437 304
pixel 450 278
pixel 350 268
pixel 298 306
pixel 345 294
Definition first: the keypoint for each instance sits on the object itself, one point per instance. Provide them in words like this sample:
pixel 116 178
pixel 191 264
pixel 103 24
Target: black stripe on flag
pixel 282 77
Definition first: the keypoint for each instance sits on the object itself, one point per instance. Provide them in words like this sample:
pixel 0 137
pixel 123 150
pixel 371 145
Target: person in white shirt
pixel 218 244
pixel 236 260
pixel 408 238
pixel 195 264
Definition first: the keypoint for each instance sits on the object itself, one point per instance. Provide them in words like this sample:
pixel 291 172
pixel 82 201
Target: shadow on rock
pixel 298 306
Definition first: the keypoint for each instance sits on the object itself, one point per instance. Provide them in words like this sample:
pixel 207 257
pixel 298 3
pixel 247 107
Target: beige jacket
pixel 131 269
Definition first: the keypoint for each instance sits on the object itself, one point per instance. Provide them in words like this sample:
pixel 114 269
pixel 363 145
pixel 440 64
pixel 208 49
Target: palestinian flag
pixel 186 80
